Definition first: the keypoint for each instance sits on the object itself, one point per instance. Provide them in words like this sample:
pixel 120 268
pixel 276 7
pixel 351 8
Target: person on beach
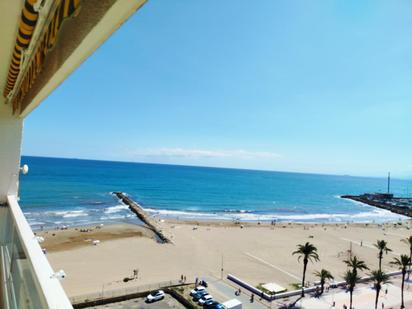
pixel 252 298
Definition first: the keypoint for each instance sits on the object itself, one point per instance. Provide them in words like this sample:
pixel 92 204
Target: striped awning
pixel 26 28
pixel 24 67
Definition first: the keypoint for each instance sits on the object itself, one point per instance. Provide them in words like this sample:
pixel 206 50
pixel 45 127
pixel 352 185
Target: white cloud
pixel 202 153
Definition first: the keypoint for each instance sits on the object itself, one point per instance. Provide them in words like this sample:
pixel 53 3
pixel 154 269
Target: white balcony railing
pixel 27 279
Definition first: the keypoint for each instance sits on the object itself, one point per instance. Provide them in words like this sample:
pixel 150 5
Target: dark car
pixel 199 295
pixel 210 304
pixel 213 305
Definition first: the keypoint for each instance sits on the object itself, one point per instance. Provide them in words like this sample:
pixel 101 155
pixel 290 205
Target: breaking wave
pixel 117 208
pixel 375 215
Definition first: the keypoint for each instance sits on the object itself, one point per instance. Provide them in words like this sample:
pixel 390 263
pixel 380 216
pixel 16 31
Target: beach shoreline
pixel 369 215
pixel 67 238
pixel 126 216
pixel 256 253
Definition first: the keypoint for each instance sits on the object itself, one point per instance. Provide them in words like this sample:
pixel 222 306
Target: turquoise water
pixel 75 192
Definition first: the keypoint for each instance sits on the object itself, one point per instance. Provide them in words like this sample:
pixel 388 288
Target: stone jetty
pixel 396 205
pixel 142 215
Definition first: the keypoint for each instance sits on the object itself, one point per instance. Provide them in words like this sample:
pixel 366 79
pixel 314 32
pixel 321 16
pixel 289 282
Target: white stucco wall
pixel 10 151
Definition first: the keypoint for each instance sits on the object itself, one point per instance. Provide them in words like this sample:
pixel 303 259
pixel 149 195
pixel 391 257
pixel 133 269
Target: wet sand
pixel 68 239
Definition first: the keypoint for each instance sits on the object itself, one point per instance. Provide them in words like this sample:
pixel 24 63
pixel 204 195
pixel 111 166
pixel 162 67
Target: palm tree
pixel 402 263
pixel 309 253
pixel 351 278
pixel 356 264
pixel 323 275
pixel 382 246
pixel 379 278
pixel 408 241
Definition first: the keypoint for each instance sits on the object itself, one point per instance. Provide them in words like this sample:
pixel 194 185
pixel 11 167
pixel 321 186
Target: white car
pixel 205 299
pixel 155 296
pixel 197 289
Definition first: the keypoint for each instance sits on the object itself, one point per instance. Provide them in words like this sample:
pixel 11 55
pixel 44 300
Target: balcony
pixel 27 279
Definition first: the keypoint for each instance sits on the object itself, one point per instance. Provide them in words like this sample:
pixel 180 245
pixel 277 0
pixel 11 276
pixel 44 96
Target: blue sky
pixel 308 86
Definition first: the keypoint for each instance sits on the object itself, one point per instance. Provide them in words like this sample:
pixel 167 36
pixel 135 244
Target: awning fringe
pixel 29 18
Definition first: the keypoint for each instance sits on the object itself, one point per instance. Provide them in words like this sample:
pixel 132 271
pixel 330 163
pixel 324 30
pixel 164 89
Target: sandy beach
pixel 256 253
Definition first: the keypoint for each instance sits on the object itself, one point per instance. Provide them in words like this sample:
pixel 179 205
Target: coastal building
pixel 42 42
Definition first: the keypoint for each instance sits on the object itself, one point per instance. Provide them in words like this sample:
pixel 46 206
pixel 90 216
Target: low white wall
pixel 53 294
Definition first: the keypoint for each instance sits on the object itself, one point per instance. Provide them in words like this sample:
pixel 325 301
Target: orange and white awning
pixel 29 17
pixel 53 38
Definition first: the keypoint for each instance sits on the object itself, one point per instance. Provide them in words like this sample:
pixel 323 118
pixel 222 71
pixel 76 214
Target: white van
pixel 232 304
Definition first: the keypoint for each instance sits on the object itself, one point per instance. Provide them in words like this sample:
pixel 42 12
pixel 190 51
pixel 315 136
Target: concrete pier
pixel 142 215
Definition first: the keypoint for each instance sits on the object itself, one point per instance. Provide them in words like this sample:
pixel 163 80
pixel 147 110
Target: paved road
pixel 167 303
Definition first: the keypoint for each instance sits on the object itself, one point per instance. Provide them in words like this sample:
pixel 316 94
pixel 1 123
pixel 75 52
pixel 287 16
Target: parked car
pixel 199 295
pixel 197 289
pixel 155 296
pixel 205 299
pixel 233 304
pixel 213 305
pixel 209 303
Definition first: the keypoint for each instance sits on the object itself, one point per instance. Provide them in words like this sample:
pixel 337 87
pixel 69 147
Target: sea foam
pixel 71 213
pixel 376 215
pixel 117 208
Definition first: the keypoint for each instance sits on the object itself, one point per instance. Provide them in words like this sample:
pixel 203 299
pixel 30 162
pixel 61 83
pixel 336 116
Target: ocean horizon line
pixel 219 167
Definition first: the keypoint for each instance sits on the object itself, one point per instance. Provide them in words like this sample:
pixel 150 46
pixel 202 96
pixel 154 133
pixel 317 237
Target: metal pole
pixel 389 182
pixel 221 270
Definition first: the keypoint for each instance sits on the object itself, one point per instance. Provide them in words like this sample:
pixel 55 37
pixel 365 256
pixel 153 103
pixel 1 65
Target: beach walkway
pixel 223 290
pixel 363 298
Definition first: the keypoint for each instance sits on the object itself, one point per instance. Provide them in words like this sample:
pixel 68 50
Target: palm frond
pixel 307 251
pixel 402 263
pixel 379 277
pixel 323 275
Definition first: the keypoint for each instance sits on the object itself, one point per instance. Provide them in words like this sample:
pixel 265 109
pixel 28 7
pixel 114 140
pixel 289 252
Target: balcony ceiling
pixel 10 11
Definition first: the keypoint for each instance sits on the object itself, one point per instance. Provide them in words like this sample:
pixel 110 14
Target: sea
pixel 71 192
